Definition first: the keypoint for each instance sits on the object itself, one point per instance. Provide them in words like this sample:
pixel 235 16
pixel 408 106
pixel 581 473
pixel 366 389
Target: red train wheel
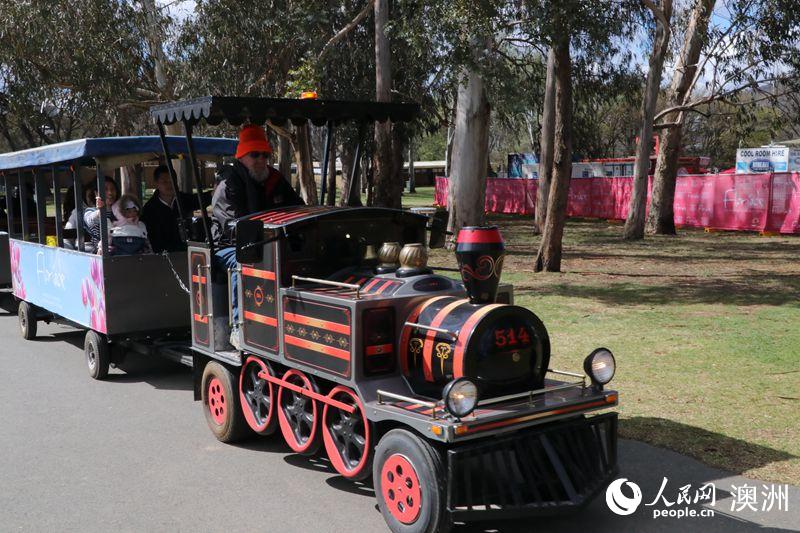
pixel 221 405
pixel 409 484
pixel 256 395
pixel 400 489
pixel 217 405
pixel 298 415
pixel 347 435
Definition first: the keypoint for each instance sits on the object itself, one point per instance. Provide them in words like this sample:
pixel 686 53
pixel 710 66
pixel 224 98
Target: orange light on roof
pixel 308 95
pixel 437 430
pixel 611 398
pixel 460 430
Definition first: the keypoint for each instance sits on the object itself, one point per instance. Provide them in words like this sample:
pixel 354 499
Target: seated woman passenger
pixel 91 217
pixel 128 233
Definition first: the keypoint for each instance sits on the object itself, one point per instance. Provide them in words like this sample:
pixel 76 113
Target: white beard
pixel 260 177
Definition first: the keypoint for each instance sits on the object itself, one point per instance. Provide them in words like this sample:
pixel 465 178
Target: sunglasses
pixel 258 155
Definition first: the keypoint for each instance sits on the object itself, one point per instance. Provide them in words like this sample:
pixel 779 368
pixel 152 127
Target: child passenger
pixel 128 233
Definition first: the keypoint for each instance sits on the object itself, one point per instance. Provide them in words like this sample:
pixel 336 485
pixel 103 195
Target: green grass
pixel 704 328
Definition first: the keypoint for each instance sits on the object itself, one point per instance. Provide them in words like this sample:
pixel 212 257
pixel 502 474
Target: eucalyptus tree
pixel 662 18
pixel 580 32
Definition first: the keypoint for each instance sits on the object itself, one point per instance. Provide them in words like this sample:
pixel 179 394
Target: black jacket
pixel 162 220
pixel 239 195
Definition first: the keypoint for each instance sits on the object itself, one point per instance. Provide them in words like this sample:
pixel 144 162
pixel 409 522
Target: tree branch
pixel 658 12
pixel 347 29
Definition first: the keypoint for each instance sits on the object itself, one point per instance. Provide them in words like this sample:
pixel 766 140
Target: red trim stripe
pixel 479 236
pixel 384 287
pixel 317 347
pixel 256 273
pixel 255 317
pixel 405 336
pixel 344 329
pixel 463 338
pixel 274 214
pixel 427 350
pixel 371 284
pixel 379 349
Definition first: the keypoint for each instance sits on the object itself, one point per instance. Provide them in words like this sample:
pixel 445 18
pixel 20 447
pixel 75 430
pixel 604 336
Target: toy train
pixel 433 387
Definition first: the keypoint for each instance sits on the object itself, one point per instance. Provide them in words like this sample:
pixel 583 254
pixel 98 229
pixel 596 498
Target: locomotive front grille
pixel 540 471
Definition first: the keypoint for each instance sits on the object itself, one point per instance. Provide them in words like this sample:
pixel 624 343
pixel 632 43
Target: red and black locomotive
pixel 442 391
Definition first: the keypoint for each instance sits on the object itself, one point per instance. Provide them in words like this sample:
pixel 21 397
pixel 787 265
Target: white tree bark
pixel 383 173
pixel 661 219
pixel 467 183
pixel 546 144
pixel 634 224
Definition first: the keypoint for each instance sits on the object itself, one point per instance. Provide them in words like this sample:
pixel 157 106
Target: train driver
pixel 248 186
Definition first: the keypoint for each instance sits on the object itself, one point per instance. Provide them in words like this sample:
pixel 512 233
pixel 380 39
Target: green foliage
pixel 69 67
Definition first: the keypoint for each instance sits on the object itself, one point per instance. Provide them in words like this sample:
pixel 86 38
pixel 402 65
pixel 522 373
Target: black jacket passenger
pixel 238 195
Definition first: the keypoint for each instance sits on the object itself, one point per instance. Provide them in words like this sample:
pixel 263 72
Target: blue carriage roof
pixel 86 149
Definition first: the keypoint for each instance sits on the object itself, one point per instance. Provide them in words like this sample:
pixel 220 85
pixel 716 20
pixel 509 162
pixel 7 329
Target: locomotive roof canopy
pixel 238 110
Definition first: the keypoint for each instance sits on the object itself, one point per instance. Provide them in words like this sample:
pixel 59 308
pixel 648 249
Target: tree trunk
pixel 348 154
pixel 285 159
pixel 330 198
pixel 155 45
pixel 383 193
pixel 130 179
pixel 546 144
pixel 398 158
pixel 661 219
pixel 467 183
pixel 412 186
pixel 634 224
pixel 448 151
pixel 305 166
pixel 549 256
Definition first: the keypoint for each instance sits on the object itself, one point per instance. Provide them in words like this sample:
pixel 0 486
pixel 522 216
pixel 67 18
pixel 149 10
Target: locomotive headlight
pixel 600 366
pixel 460 397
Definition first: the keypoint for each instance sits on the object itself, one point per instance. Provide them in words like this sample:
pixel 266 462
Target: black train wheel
pixel 257 395
pixel 409 484
pixel 27 320
pixel 298 415
pixel 221 403
pixel 98 354
pixel 347 436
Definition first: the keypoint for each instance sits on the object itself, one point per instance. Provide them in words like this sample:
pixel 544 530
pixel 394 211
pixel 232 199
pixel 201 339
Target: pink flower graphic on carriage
pixel 16 272
pixel 93 296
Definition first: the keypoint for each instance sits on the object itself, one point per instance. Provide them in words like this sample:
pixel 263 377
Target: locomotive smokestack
pixel 480 251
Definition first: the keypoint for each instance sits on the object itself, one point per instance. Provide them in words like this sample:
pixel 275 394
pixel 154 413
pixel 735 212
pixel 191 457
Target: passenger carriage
pixel 442 391
pixel 128 301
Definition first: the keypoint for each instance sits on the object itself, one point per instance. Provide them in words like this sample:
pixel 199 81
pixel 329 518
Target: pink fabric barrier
pixel 749 202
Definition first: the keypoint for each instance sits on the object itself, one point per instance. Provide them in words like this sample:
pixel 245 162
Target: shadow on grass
pixel 747 288
pixel 714 449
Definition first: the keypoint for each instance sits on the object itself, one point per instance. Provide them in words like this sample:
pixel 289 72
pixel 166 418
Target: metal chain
pixel 177 277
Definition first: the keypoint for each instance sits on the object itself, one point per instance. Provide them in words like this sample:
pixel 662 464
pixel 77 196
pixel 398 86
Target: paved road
pixel 134 454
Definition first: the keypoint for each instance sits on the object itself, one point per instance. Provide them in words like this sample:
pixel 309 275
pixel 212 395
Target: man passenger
pixel 161 215
pixel 248 186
